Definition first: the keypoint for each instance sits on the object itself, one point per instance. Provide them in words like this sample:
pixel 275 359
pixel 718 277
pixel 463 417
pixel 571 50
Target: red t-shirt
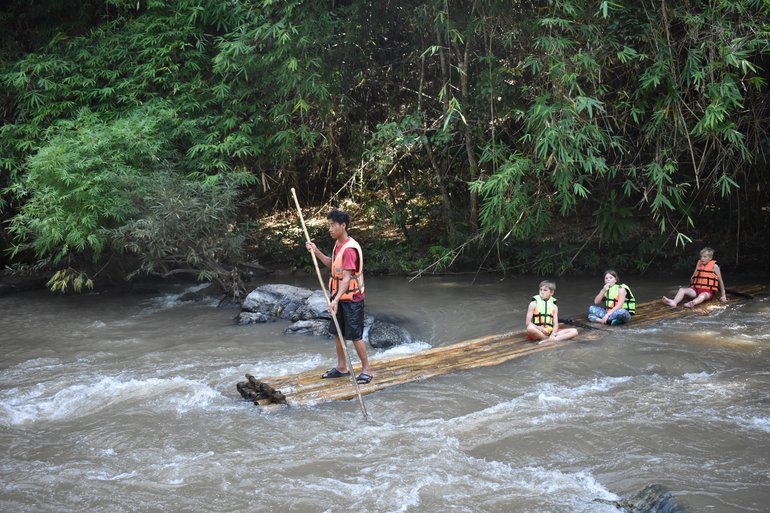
pixel 349 263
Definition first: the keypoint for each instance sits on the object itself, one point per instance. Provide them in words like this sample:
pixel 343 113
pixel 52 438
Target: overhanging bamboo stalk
pixel 308 387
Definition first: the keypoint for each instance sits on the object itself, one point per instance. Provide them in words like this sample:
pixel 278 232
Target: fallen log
pixel 308 388
pixel 259 392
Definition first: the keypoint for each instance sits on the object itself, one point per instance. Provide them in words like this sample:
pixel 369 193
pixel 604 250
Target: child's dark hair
pixel 339 216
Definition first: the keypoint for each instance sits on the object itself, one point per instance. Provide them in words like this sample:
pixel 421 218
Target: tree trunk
pixel 470 145
pixel 446 205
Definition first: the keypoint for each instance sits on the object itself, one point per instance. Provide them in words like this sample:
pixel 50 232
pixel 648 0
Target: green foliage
pixel 613 220
pixel 439 117
pixel 80 185
pixel 185 226
pixel 90 140
pixel 99 189
pixel 392 154
pixel 248 81
pixel 512 204
pixel 395 258
pixel 650 101
pixel 65 278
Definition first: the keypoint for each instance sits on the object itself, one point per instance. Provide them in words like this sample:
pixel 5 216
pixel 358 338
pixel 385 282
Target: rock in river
pixel 310 315
pixel 275 300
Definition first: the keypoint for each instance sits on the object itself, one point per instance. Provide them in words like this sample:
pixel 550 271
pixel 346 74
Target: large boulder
pixel 310 314
pixel 317 327
pixel 253 318
pixel 277 300
pixel 320 326
pixel 384 334
pixel 314 307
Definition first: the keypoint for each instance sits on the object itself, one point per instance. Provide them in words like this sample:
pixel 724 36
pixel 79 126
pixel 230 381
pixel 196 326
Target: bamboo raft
pixel 308 388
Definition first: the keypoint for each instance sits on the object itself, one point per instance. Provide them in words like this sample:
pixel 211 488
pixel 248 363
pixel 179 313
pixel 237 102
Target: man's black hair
pixel 339 216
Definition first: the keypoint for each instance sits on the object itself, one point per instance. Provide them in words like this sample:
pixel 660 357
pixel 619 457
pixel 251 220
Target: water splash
pixel 174 299
pixel 52 402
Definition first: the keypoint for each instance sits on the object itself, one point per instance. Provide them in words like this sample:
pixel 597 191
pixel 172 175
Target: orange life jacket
pixel 705 277
pixel 542 315
pixel 356 284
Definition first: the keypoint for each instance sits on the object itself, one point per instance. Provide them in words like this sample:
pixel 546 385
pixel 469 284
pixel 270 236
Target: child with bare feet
pixel 706 280
pixel 543 316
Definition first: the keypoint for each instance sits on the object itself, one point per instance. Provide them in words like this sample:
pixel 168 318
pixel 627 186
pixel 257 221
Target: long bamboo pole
pixel 343 342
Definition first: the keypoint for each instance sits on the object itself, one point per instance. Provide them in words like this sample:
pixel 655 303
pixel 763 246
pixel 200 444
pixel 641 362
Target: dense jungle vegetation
pixel 163 137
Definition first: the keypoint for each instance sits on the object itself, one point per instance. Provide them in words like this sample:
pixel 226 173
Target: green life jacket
pixel 611 298
pixel 543 314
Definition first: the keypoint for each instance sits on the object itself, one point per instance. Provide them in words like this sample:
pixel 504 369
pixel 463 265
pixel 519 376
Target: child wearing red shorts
pixel 706 280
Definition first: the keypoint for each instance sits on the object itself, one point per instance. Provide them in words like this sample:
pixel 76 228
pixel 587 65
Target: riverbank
pixel 573 249
pixel 11 284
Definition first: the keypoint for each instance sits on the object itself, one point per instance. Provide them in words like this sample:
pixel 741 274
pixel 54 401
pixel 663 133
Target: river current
pixel 126 402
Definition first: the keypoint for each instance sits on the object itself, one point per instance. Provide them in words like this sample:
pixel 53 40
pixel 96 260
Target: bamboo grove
pixel 149 136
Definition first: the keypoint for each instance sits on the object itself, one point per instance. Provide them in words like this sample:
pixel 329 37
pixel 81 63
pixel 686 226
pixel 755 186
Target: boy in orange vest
pixel 346 291
pixel 704 282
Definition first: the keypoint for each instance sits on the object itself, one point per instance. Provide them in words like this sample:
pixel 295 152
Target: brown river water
pixel 126 402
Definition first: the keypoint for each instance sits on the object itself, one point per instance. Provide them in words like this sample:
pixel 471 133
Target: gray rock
pixel 296 293
pixel 253 318
pixel 317 327
pixel 384 334
pixel 259 300
pixel 310 315
pixel 320 327
pixel 653 499
pixel 314 307
pixel 276 300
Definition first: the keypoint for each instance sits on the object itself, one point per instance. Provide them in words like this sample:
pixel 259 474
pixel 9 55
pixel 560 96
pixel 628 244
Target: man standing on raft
pixel 346 288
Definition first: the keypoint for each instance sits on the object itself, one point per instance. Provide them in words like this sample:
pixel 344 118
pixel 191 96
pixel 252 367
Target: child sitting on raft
pixel 614 304
pixel 543 316
pixel 705 281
